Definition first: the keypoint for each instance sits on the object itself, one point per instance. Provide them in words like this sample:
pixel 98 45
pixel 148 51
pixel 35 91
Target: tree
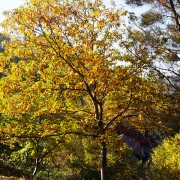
pixel 162 29
pixel 24 150
pixel 69 73
pixel 167 6
pixel 165 159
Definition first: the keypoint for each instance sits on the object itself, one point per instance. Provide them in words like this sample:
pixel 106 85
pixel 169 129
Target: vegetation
pixel 165 159
pixel 81 95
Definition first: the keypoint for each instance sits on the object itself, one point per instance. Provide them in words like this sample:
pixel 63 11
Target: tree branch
pixel 176 16
pixel 118 115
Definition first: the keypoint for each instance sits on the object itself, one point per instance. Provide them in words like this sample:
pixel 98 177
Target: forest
pixel 90 91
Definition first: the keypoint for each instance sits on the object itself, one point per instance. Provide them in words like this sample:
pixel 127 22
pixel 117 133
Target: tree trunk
pixel 35 168
pixel 103 161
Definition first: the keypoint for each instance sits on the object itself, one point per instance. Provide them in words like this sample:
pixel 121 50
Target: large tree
pixel 75 73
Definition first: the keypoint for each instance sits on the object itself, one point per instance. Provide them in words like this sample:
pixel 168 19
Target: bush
pixel 166 160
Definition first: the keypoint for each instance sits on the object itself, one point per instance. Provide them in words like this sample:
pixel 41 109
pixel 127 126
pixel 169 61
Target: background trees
pixel 161 26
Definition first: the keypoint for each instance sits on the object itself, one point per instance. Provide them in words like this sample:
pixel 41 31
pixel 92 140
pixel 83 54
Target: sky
pixel 11 4
pixel 8 5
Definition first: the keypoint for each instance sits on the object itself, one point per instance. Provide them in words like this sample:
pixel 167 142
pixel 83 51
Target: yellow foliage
pixel 67 64
pixel 166 159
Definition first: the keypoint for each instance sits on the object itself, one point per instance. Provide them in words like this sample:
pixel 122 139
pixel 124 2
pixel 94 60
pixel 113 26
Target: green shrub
pixel 166 160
